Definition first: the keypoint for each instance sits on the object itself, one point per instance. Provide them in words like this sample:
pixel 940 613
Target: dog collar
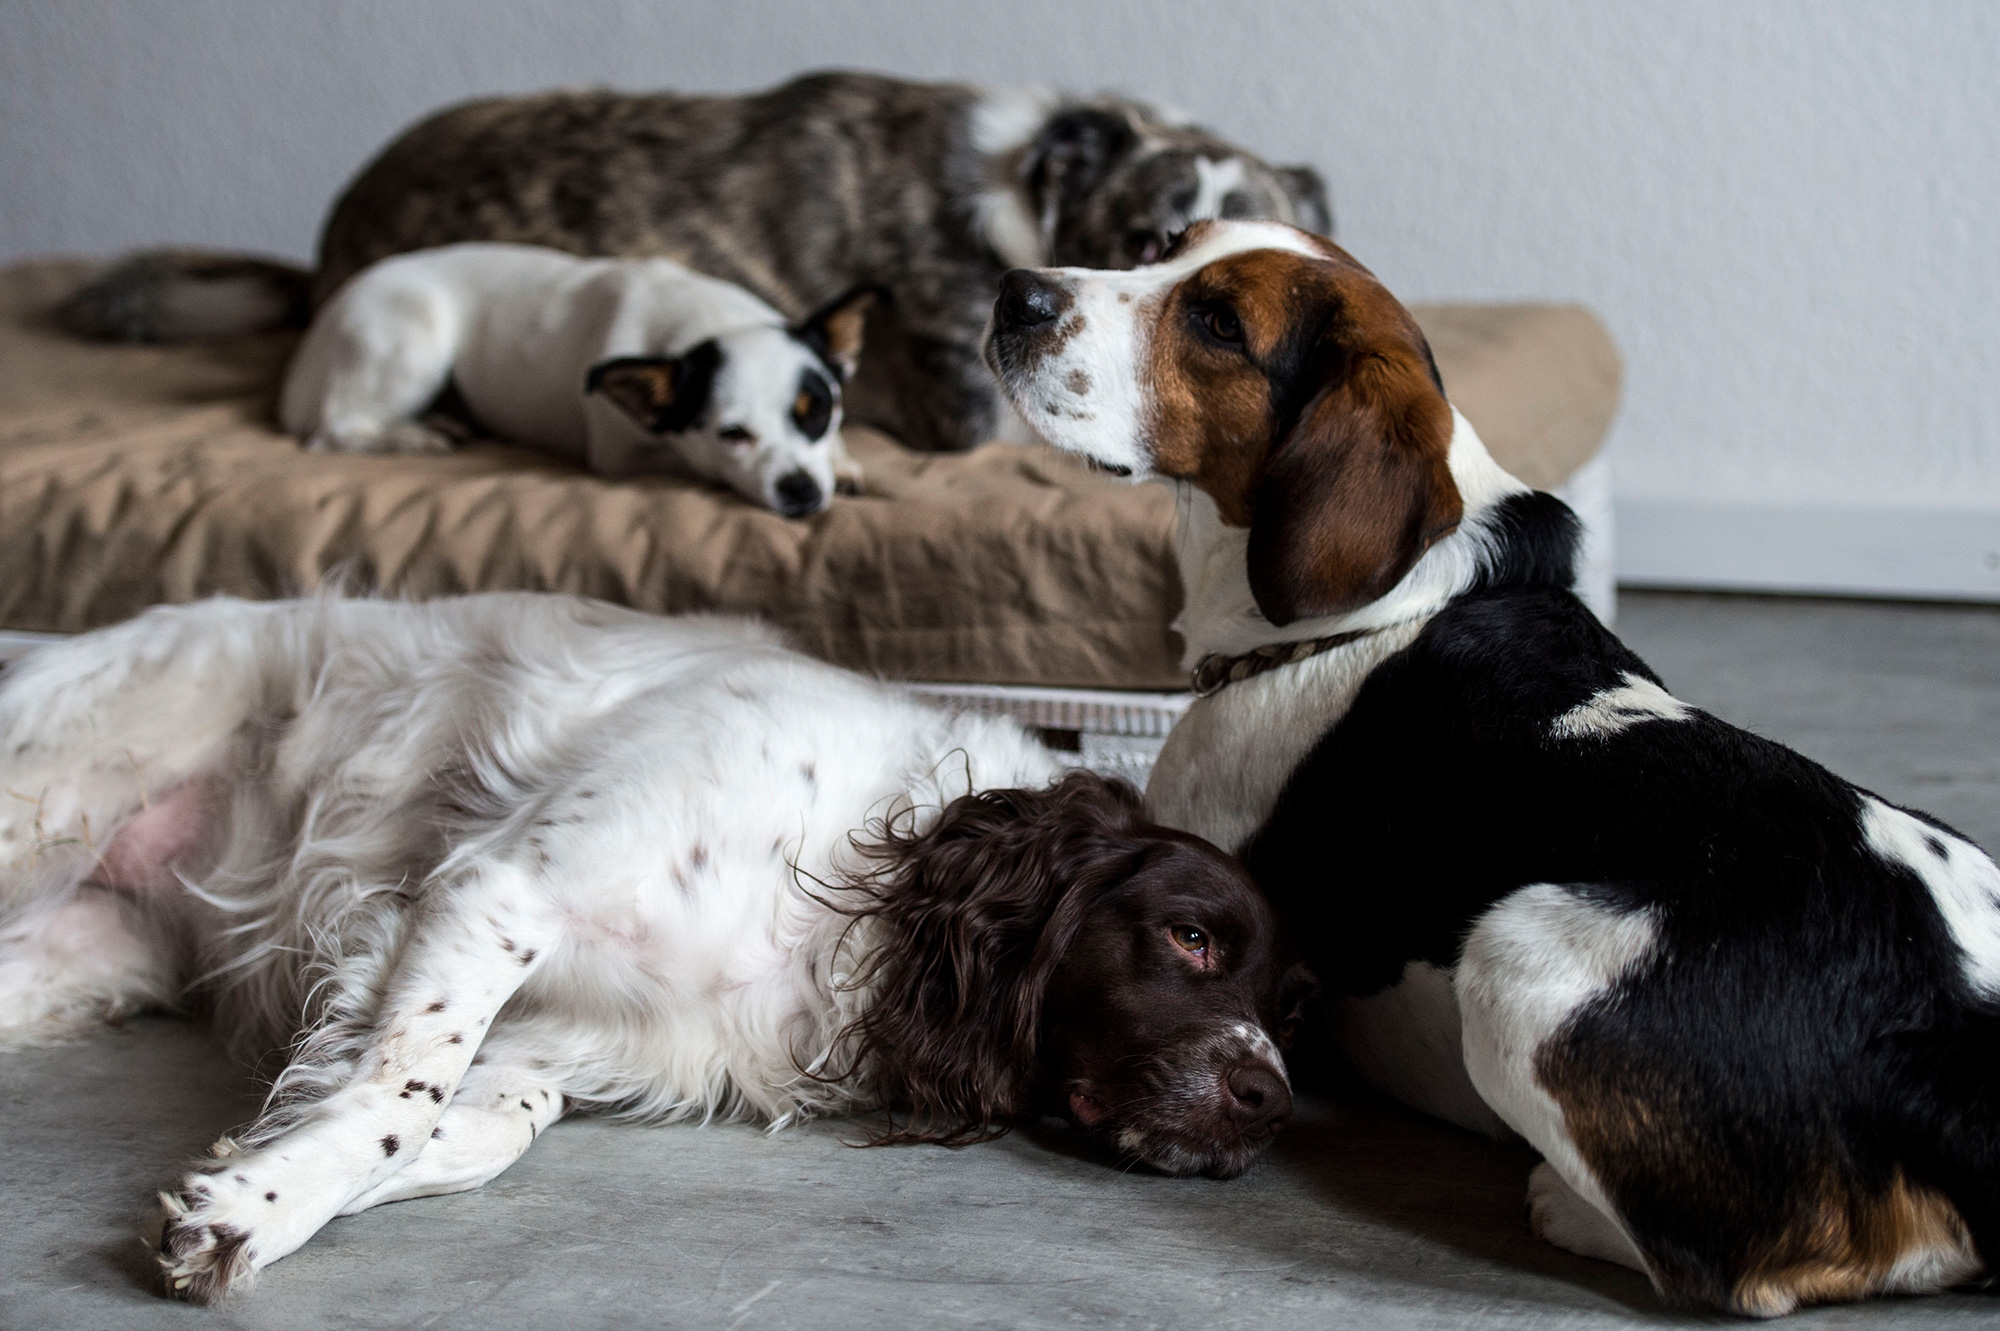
pixel 1215 671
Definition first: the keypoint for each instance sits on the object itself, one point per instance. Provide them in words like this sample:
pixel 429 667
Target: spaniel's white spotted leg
pixel 475 942
pixel 489 1123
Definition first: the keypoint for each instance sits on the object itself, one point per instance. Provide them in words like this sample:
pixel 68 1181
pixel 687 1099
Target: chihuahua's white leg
pixel 847 475
pixel 475 941
pixel 377 357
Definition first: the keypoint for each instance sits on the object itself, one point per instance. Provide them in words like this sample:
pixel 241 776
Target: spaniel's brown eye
pixel 1189 939
pixel 1223 325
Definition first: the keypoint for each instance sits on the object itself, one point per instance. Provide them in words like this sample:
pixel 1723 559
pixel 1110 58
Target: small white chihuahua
pixel 626 364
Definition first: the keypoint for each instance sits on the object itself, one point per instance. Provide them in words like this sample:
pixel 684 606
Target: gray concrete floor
pixel 1363 1216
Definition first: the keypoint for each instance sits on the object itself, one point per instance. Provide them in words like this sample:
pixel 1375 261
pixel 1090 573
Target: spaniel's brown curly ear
pixel 1355 494
pixel 969 920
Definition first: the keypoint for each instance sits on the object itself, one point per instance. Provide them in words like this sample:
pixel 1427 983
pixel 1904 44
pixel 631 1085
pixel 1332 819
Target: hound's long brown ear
pixel 834 330
pixel 1354 495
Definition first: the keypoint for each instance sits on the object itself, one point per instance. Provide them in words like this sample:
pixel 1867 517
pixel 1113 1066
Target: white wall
pixel 1787 210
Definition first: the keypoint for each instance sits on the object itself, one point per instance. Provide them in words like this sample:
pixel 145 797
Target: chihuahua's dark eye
pixel 1144 247
pixel 812 409
pixel 1190 940
pixel 735 434
pixel 1222 324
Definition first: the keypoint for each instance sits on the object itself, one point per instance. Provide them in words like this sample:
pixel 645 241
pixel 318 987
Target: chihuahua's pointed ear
pixel 834 330
pixel 662 394
pixel 1355 494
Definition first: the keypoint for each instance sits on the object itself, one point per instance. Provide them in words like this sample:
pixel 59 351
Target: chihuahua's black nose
pixel 798 494
pixel 1027 301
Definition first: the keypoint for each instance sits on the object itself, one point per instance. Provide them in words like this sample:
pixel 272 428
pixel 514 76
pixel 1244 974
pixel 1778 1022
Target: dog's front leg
pixel 848 478
pixel 503 1104
pixel 478 939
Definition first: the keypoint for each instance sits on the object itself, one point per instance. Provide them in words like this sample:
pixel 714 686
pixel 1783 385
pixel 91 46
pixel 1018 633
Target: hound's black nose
pixel 1259 1101
pixel 798 494
pixel 1026 301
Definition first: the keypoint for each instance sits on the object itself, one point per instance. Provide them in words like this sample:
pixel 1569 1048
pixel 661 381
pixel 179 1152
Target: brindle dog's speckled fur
pixel 809 189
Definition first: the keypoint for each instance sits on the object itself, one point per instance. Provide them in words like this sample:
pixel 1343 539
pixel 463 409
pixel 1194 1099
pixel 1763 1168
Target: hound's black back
pixel 1804 1013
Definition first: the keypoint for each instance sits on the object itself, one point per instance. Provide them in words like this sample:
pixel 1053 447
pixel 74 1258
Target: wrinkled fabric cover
pixel 132 475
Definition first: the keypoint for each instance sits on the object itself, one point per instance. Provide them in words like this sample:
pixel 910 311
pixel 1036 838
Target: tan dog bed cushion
pixel 132 475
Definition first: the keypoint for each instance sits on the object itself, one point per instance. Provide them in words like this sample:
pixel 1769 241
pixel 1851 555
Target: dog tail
pixel 182 295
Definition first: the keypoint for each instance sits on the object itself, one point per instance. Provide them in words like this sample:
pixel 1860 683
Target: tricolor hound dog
pixel 482 862
pixel 1749 1013
pixel 623 364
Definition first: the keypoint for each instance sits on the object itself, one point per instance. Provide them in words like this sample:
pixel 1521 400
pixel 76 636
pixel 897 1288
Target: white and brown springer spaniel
pixel 1749 1013
pixel 482 862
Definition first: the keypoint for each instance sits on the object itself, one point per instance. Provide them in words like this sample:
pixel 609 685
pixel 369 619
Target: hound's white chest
pixel 1220 776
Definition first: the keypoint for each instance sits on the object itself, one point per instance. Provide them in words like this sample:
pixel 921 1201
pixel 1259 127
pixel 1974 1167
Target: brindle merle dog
pixel 825 183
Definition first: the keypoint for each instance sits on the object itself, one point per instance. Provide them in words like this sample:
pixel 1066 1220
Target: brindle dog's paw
pixel 201 1258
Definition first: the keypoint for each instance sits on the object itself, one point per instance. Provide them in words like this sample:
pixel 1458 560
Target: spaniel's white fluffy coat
pixel 574 841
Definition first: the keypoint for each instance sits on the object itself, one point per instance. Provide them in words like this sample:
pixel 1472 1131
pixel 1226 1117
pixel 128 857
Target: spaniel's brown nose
pixel 1259 1101
pixel 1028 301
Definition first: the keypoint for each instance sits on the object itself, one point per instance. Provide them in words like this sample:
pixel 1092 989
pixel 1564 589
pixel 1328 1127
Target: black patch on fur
pixel 391 1144
pixel 270 1196
pixel 436 1006
pixel 528 956
pixel 813 411
pixel 1534 538
pixel 1801 1023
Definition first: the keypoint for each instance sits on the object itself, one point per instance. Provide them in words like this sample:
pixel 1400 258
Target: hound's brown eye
pixel 735 434
pixel 1223 324
pixel 1189 940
